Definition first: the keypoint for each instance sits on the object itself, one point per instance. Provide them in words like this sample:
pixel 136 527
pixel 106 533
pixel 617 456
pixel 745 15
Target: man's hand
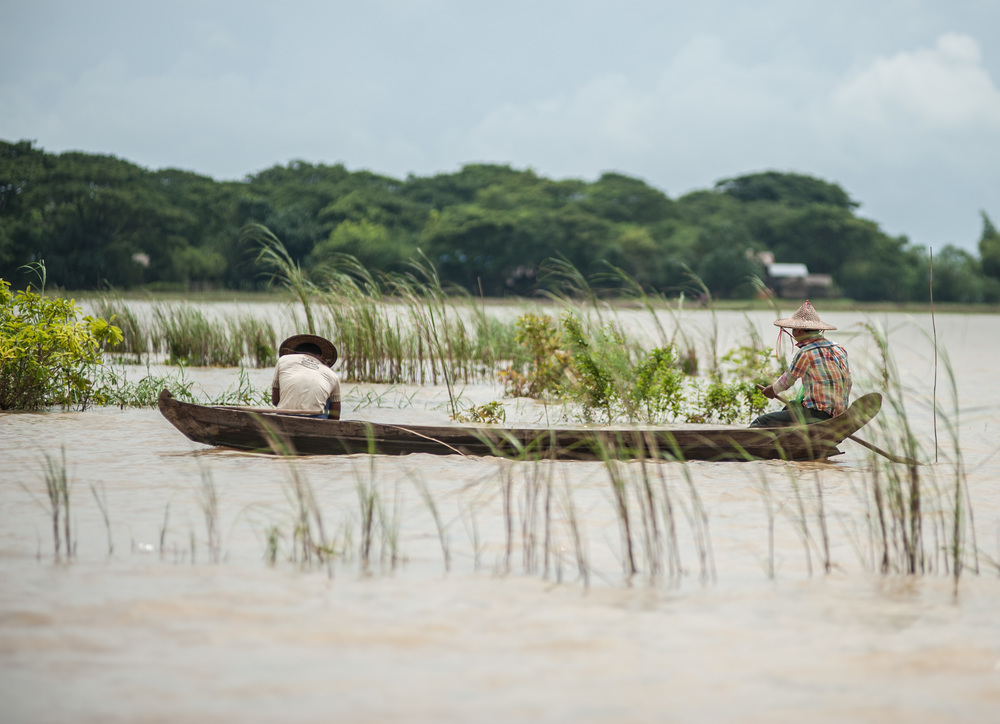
pixel 768 392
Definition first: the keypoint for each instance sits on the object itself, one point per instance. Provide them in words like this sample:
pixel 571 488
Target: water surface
pixel 157 630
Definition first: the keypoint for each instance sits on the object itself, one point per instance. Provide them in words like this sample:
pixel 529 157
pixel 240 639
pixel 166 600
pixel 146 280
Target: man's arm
pixel 275 395
pixel 334 410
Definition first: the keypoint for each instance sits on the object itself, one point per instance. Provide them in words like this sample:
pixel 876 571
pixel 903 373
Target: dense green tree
pixel 98 220
pixel 444 190
pixel 790 189
pixel 821 236
pixel 372 244
pixel 634 249
pixel 620 198
pixel 889 271
pixel 989 248
pixel 726 262
pixel 502 251
pixel 958 277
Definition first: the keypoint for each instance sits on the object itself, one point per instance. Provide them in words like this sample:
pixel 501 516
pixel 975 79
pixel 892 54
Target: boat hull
pixel 270 431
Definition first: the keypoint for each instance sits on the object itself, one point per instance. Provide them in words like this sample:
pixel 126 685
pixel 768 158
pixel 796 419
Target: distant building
pixel 793 280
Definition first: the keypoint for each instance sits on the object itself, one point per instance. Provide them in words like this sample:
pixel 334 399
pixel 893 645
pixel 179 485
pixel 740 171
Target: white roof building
pixel 784 270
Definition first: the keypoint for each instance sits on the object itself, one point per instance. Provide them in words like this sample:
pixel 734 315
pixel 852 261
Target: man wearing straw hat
pixel 303 379
pixel 819 363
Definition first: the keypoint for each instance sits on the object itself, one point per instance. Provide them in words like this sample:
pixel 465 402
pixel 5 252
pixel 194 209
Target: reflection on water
pixel 510 631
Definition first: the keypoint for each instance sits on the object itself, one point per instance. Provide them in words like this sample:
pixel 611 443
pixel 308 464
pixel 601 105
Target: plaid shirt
pixel 822 367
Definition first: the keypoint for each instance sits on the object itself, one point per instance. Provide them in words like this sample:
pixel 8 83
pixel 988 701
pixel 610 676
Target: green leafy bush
pixel 593 368
pixel 659 384
pixel 728 402
pixel 545 372
pixel 47 352
pixel 613 378
pixel 753 363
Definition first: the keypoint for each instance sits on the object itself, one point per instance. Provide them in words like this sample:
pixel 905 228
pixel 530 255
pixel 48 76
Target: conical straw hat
pixel 805 317
pixel 327 348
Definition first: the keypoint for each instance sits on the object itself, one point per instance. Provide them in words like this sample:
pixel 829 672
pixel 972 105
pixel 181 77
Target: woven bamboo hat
pixel 327 350
pixel 805 317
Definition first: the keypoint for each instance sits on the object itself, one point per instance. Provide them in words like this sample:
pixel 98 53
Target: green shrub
pixel 545 372
pixel 728 402
pixel 47 352
pixel 592 370
pixel 756 364
pixel 659 384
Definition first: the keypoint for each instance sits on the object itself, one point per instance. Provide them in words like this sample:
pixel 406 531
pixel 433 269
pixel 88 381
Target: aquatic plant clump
pixel 612 377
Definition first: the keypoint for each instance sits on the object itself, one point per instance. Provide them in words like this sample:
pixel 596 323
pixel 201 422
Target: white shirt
pixel 305 383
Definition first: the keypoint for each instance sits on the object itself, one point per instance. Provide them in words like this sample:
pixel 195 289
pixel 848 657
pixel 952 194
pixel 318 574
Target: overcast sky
pixel 895 100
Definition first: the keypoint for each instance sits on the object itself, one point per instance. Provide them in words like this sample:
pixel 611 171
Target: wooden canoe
pixel 267 430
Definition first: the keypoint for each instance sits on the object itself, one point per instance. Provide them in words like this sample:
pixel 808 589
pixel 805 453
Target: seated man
pixel 303 379
pixel 822 367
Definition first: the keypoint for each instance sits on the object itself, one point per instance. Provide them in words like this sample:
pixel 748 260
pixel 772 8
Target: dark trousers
pixel 791 415
pixel 325 415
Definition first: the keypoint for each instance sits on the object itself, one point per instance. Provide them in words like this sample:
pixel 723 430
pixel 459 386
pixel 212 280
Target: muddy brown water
pixel 496 630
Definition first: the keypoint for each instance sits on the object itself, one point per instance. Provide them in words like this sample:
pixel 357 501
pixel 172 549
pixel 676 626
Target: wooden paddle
pixel 864 443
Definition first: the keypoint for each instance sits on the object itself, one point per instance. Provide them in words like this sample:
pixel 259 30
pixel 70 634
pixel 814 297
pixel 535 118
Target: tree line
pixel 98 221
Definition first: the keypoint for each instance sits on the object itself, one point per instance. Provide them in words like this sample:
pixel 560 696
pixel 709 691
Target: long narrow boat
pixel 267 430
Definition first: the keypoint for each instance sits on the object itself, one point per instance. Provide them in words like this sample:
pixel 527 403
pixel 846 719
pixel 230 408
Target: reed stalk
pixel 695 282
pixel 208 500
pixel 274 258
pixel 368 504
pixel 273 541
pixel 137 341
pixel 703 538
pixel 102 504
pixel 163 529
pixel 442 529
pixel 472 530
pixel 619 493
pixel 506 497
pixel 576 533
pixel 309 539
pixel 57 491
pixel 674 567
pixel 651 528
pixel 389 524
pixel 190 338
pixel 532 490
pixel 768 498
pixel 547 546
pixel 821 519
pixel 802 523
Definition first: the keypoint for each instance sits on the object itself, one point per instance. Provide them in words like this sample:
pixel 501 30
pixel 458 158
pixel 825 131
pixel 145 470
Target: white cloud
pixel 940 88
pixel 914 135
pixel 703 112
pixel 708 111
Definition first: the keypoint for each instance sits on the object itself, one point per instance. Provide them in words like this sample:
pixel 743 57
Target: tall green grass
pixel 398 328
